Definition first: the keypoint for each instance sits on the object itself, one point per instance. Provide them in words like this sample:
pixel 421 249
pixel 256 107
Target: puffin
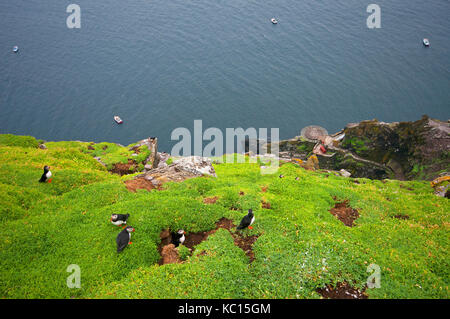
pixel 124 238
pixel 119 219
pixel 281 176
pixel 247 220
pixel 46 177
pixel 178 237
pixel 297 178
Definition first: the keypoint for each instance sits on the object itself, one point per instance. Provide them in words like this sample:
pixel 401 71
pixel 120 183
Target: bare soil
pixel 344 212
pixel 400 216
pixel 169 255
pixel 139 183
pixel 265 205
pixel 193 239
pixel 122 169
pixel 342 291
pixel 210 200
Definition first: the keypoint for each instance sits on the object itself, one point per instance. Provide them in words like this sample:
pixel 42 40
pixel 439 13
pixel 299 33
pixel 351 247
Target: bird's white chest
pixel 253 219
pixel 48 175
pixel 182 238
pixel 119 222
pixel 129 237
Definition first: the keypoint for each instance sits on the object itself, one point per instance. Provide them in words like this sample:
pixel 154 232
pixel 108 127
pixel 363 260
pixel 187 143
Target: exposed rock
pixel 379 150
pixel 196 165
pixel 42 146
pixel 163 157
pixel 345 173
pixel 152 144
pixel 180 170
pixel 412 150
pixel 441 185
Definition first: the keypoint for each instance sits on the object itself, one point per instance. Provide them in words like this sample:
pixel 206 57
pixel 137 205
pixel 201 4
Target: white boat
pixel 118 119
pixel 274 21
pixel 426 42
pixel 15 49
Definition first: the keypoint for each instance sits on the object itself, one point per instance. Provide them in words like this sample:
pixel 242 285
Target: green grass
pixel 301 246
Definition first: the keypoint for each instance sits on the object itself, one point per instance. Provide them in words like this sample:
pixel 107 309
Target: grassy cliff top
pixel 301 246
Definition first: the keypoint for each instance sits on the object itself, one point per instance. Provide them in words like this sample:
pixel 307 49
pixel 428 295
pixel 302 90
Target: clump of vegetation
pixel 300 246
pixel 111 154
pixel 183 252
pixel 358 145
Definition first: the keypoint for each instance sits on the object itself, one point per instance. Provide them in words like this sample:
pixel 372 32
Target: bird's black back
pixel 123 217
pixel 122 240
pixel 43 178
pixel 245 222
pixel 176 239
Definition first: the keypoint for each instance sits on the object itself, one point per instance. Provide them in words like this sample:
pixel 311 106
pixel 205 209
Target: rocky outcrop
pixel 412 150
pixel 378 150
pixel 152 144
pixel 180 170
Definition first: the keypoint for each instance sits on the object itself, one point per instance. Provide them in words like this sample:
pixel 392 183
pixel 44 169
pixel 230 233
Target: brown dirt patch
pixel 344 212
pixel 245 243
pixel 225 223
pixel 241 193
pixel 210 200
pixel 341 291
pixel 139 183
pixel 91 148
pixel 264 189
pixel 193 239
pixel 123 169
pixel 169 255
pixel 400 216
pixel 265 205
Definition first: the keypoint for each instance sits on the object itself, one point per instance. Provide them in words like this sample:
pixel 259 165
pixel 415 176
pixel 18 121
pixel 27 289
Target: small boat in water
pixel 426 42
pixel 274 21
pixel 118 119
pixel 15 49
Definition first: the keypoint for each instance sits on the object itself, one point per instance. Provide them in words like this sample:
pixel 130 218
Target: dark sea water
pixel 160 64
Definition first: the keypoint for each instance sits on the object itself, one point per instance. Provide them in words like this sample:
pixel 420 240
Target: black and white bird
pixel 281 176
pixel 178 237
pixel 124 238
pixel 247 220
pixel 119 219
pixel 46 176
